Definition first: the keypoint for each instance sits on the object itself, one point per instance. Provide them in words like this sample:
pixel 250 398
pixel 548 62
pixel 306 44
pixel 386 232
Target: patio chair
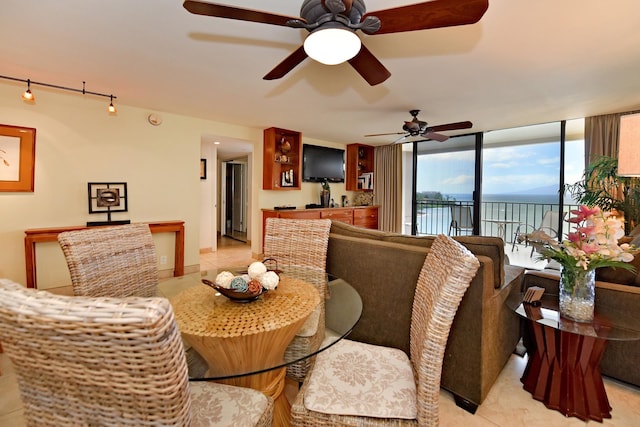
pixel 301 243
pixel 548 228
pixel 117 262
pixel 461 220
pixel 111 361
pixel 391 388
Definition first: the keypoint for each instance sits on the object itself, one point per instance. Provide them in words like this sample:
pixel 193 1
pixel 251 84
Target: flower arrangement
pixel 592 245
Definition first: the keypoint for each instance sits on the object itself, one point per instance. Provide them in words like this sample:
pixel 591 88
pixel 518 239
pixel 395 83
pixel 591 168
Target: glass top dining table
pixel 239 339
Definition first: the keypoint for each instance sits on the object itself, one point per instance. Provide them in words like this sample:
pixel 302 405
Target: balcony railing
pixel 499 219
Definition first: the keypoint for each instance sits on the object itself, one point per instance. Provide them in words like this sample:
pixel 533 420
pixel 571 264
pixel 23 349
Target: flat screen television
pixel 322 163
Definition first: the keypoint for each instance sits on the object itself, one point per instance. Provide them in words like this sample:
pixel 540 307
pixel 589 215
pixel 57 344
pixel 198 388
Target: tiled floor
pixel 507 404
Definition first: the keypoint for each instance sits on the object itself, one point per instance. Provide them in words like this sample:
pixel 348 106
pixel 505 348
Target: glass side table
pixel 563 368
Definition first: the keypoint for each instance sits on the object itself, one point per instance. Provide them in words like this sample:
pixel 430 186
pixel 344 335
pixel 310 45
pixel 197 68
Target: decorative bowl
pixel 268 261
pixel 234 295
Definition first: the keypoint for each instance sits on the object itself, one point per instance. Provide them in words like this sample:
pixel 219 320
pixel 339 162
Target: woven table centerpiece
pixel 201 311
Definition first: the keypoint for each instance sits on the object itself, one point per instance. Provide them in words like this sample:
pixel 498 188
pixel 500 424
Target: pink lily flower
pixel 590 248
pixel 583 212
pixel 574 237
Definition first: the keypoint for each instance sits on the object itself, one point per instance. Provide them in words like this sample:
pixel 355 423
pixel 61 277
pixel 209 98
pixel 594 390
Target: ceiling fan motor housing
pixel 415 127
pixel 319 11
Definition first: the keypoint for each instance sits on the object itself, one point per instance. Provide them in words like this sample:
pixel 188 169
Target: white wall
pixel 208 188
pixel 77 142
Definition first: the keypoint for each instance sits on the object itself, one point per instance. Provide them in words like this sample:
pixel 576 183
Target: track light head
pixel 112 108
pixel 27 95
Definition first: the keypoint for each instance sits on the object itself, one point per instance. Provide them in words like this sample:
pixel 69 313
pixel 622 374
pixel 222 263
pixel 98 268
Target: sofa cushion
pixel 342 228
pixel 492 247
pixel 385 275
pixel 620 275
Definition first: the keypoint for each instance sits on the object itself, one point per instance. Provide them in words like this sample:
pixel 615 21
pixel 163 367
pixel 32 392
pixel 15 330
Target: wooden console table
pixel 38 235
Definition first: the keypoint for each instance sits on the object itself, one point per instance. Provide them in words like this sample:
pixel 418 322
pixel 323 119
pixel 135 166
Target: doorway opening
pixel 235 206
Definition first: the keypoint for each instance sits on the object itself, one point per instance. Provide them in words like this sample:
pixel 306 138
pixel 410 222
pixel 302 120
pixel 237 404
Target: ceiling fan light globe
pixel 332 46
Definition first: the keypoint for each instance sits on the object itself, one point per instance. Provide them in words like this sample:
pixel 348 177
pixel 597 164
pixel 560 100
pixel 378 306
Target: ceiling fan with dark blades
pixel 419 128
pixel 342 18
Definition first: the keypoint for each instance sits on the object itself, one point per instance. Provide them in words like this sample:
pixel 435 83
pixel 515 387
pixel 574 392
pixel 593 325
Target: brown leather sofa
pixel 384 268
pixel 617 294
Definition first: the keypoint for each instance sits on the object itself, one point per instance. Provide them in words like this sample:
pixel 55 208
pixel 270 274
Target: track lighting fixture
pixel 112 108
pixel 28 95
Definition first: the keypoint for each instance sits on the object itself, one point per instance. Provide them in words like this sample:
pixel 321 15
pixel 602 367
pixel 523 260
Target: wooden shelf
pixel 360 160
pixel 282 159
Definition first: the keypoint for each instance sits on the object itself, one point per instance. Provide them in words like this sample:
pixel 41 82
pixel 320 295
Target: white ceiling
pixel 525 62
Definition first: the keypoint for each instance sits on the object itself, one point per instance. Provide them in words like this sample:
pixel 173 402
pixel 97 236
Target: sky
pixel 530 168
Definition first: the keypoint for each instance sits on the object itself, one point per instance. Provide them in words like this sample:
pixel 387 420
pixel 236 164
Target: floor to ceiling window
pixel 520 178
pixel 444 186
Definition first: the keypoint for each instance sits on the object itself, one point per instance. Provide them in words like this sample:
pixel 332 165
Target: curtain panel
pixel 387 187
pixel 601 135
pixel 601 138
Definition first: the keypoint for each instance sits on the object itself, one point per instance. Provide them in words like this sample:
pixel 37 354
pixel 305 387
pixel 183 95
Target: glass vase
pixel 577 294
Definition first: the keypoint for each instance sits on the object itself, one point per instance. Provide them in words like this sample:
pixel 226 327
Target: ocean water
pixel 520 213
pixel 550 199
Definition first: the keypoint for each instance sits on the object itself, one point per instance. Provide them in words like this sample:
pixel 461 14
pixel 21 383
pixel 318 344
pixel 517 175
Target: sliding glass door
pixel 499 183
pixel 445 182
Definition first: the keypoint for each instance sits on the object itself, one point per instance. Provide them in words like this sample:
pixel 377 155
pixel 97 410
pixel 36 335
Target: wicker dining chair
pixel 301 243
pixel 111 361
pixel 118 261
pixel 354 383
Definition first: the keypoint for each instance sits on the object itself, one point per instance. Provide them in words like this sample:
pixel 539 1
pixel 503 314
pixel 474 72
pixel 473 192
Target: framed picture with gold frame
pixel 17 158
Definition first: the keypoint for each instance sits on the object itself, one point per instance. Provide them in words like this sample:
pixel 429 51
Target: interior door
pixel 235 224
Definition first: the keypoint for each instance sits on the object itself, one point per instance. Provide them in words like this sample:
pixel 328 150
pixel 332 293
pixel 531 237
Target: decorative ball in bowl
pixel 246 287
pixel 235 295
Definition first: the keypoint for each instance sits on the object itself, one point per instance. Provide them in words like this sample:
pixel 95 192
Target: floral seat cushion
pixel 354 378
pixel 222 405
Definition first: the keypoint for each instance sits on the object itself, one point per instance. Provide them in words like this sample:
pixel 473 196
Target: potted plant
pixel 601 186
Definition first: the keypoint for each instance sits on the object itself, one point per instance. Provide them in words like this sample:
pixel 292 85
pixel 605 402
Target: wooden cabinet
pixel 361 216
pixel 338 214
pixel 366 217
pixel 282 159
pixel 360 161
pixel 301 214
